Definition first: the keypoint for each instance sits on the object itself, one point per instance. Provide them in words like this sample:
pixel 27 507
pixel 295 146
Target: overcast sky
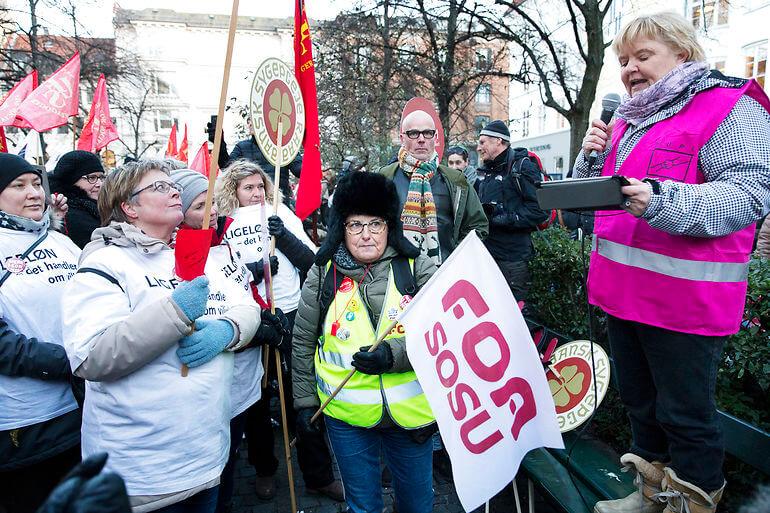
pixel 96 15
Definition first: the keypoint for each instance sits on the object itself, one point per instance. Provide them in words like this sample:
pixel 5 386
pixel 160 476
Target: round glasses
pixel 159 186
pixel 356 227
pixel 415 134
pixel 93 178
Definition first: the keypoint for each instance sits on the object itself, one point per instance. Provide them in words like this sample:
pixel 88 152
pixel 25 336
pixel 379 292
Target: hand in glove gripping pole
pixel 211 337
pixel 378 361
pixel 272 329
pixel 191 297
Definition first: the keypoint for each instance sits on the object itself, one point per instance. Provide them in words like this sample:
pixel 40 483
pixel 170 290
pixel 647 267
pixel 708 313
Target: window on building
pixel 159 86
pixel 558 168
pixel 525 124
pixel 363 57
pixel 480 122
pixel 483 59
pixel 406 53
pixel 709 13
pixel 755 57
pixel 163 121
pixel 484 94
pixel 541 118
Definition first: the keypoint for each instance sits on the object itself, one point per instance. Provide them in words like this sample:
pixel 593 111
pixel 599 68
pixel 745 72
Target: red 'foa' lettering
pixel 433 344
pixel 470 425
pixel 521 414
pixel 471 340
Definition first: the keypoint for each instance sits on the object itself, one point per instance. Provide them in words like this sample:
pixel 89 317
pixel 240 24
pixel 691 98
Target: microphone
pixel 609 104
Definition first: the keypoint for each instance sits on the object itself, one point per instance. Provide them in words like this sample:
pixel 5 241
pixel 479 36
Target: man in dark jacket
pixel 507 194
pixel 248 149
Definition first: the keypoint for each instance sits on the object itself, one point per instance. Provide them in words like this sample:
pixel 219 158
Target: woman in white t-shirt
pixel 39 418
pixel 129 325
pixel 242 189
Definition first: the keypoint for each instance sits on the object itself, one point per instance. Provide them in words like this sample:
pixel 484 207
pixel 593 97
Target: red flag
pixel 10 104
pixel 201 161
pixel 183 149
pixel 191 250
pixel 3 142
pixel 55 100
pixel 309 192
pixel 99 130
pixel 171 150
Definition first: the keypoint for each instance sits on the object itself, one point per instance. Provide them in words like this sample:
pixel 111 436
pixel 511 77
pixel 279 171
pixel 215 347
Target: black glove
pixel 85 490
pixel 275 227
pixel 258 269
pixel 272 329
pixel 304 426
pixel 378 361
pixel 503 220
pixel 211 130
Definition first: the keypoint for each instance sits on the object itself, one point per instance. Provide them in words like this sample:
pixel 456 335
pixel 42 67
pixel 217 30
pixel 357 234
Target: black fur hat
pixel 369 194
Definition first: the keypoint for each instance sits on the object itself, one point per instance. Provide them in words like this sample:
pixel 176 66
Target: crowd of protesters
pixel 105 350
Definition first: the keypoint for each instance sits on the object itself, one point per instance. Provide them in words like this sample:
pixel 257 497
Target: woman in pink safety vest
pixel 670 268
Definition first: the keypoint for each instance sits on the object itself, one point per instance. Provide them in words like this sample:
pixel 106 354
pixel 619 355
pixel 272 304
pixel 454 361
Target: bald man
pixel 438 207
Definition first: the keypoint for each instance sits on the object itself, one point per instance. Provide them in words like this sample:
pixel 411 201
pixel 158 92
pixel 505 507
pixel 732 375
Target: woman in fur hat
pixel 79 175
pixel 39 417
pixel 242 189
pixel 365 274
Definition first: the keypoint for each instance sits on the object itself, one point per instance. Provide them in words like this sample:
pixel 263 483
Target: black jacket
pixel 249 149
pixel 507 194
pixel 81 220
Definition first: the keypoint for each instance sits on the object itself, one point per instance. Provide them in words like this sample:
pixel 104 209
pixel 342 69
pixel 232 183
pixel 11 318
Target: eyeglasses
pixel 159 186
pixel 93 178
pixel 356 227
pixel 415 134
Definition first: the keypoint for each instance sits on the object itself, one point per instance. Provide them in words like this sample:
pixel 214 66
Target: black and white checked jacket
pixel 735 163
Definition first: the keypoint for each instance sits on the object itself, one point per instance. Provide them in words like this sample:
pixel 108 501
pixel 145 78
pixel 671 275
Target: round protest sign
pixel 572 385
pixel 276 99
pixel 425 105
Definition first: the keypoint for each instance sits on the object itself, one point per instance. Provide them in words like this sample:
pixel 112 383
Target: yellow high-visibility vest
pixel 361 400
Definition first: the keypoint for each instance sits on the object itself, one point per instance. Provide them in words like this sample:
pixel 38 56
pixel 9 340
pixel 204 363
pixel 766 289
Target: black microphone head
pixel 611 102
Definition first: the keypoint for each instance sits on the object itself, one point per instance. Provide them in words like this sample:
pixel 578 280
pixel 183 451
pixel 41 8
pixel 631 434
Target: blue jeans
pixel 202 502
pixel 358 455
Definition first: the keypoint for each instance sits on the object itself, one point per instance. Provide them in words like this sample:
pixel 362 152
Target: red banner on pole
pixel 183 149
pixel 3 142
pixel 201 161
pixel 309 191
pixel 99 130
pixel 51 104
pixel 9 107
pixel 171 149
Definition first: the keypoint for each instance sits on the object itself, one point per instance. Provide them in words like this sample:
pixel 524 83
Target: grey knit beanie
pixel 193 182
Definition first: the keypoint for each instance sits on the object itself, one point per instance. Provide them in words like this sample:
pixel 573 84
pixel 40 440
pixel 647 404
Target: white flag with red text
pixel 476 362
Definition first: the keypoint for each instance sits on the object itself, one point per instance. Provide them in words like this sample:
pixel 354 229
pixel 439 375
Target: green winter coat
pixel 306 323
pixel 466 207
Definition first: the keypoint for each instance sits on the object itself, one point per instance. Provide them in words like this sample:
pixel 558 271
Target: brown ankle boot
pixel 681 496
pixel 648 480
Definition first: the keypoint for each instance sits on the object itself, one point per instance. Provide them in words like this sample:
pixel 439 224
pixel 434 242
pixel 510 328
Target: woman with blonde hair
pixel 671 270
pixel 245 192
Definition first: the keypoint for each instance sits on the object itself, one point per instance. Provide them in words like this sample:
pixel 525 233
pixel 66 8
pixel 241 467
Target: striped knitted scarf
pixel 419 213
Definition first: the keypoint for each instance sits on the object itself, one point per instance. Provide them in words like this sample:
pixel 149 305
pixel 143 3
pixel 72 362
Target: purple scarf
pixel 646 103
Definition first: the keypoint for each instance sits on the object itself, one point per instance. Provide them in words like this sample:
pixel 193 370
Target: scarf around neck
pixel 419 212
pixel 25 224
pixel 640 107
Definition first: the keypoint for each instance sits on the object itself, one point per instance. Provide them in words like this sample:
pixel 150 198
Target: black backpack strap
pixel 326 294
pixel 101 273
pixel 404 276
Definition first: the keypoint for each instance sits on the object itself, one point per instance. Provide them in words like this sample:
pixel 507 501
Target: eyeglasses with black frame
pixel 93 178
pixel 159 186
pixel 415 134
pixel 357 227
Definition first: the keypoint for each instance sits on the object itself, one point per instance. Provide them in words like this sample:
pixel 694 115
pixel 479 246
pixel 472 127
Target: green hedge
pixel 557 299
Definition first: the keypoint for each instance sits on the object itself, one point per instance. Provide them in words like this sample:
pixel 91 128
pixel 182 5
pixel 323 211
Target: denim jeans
pixel 358 455
pixel 204 501
pixel 667 382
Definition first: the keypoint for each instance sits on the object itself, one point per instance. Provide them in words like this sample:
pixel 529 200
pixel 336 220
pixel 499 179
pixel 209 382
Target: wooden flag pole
pixel 214 161
pixel 278 368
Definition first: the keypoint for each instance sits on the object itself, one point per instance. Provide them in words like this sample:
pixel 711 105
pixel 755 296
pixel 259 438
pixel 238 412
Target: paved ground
pixel 445 501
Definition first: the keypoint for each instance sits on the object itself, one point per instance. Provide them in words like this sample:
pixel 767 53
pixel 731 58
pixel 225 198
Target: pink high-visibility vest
pixel 678 282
